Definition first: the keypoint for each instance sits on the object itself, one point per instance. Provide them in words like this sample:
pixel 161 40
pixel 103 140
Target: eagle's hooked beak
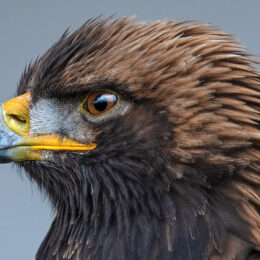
pixel 16 143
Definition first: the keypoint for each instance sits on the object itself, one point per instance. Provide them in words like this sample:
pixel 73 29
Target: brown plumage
pixel 193 129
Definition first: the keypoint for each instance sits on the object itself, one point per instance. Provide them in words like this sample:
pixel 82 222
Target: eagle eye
pixel 99 102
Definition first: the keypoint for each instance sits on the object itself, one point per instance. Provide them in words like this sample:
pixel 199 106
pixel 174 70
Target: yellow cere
pixel 16 113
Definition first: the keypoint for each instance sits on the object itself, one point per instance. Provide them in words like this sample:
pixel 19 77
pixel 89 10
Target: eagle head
pixel 145 137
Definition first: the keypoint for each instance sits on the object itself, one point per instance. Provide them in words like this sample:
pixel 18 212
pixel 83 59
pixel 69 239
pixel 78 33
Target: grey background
pixel 28 28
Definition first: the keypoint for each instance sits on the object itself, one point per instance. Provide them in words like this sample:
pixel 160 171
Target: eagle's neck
pixel 140 235
pixel 128 235
pixel 114 215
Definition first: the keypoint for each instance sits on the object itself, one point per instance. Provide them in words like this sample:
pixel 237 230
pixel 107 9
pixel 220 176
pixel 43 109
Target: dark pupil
pixel 101 101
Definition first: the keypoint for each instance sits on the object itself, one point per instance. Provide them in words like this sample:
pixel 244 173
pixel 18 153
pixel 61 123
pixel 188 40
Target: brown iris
pixel 99 102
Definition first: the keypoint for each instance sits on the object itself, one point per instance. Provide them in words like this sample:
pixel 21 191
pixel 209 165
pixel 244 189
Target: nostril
pixel 17 118
pixel 16 114
pixel 16 122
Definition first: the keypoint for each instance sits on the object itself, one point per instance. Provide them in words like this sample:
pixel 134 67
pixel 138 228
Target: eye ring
pixel 100 102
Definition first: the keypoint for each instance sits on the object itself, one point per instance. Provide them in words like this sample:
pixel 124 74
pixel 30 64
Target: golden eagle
pixel 145 137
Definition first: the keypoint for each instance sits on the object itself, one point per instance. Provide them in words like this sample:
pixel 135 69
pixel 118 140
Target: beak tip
pixel 4 157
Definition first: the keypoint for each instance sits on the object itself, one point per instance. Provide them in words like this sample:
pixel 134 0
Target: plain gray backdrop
pixel 28 28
